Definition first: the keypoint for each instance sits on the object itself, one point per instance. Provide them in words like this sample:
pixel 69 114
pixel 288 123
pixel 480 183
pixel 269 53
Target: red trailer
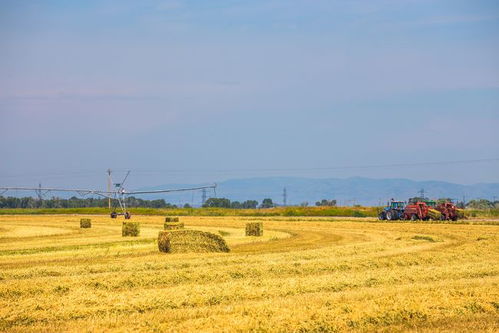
pixel 416 211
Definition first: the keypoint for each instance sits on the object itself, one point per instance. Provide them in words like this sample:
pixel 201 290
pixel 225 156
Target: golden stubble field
pixel 304 275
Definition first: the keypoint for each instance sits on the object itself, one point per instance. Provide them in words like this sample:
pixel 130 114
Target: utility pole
pixel 109 184
pixel 284 197
pixel 203 197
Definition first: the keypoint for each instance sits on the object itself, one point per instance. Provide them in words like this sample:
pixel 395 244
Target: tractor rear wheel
pixel 114 215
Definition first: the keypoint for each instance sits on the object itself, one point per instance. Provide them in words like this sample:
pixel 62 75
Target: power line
pixel 284 197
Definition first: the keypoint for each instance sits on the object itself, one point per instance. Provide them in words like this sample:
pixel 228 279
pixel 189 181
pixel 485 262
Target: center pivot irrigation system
pixel 118 194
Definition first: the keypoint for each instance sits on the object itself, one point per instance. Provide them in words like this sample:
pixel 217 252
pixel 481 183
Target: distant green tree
pixel 250 204
pixel 443 200
pixel 267 203
pixel 217 202
pixel 325 202
pixel 187 206
pixel 479 204
pixel 236 205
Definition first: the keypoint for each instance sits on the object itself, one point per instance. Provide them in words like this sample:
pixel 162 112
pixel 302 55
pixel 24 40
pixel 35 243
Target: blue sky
pixel 200 91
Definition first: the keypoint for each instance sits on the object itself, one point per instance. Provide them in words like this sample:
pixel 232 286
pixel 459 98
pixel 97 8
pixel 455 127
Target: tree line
pixel 482 204
pixel 248 204
pixel 252 204
pixel 132 202
pixel 74 202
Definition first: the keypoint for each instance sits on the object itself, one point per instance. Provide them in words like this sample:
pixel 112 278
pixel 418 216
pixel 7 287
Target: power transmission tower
pixel 284 197
pixel 109 185
pixel 203 197
pixel 421 192
pixel 39 192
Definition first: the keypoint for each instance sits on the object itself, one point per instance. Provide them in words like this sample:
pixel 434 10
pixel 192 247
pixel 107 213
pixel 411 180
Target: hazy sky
pixel 200 91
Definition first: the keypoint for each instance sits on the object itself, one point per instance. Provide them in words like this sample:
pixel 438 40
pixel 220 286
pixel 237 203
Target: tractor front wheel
pixel 382 216
pixel 114 215
pixel 127 216
pixel 414 217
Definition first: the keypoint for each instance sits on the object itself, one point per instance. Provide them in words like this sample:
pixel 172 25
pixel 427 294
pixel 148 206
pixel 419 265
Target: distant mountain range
pixel 349 191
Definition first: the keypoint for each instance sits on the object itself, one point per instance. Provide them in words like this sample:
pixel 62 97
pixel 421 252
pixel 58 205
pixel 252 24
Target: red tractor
pixel 448 210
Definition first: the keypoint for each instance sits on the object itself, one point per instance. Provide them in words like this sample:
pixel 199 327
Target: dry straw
pixel 85 223
pixel 434 214
pixel 254 229
pixel 181 241
pixel 171 219
pixel 130 229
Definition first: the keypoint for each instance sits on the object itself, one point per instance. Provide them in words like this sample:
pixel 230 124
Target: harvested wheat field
pixel 303 274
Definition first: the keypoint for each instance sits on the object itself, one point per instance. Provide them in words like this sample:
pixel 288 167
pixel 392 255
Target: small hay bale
pixel 173 225
pixel 254 229
pixel 171 219
pixel 130 229
pixel 85 223
pixel 182 241
pixel 164 244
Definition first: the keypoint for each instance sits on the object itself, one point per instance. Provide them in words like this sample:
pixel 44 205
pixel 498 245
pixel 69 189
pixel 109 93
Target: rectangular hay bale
pixel 130 229
pixel 85 223
pixel 173 225
pixel 254 229
pixel 164 243
pixel 171 219
pixel 184 241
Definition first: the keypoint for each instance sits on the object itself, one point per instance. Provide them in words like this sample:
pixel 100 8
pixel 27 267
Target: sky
pixel 200 91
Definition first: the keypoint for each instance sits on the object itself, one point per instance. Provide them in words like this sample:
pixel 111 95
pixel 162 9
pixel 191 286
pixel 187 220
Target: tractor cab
pixel 392 211
pixel 396 205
